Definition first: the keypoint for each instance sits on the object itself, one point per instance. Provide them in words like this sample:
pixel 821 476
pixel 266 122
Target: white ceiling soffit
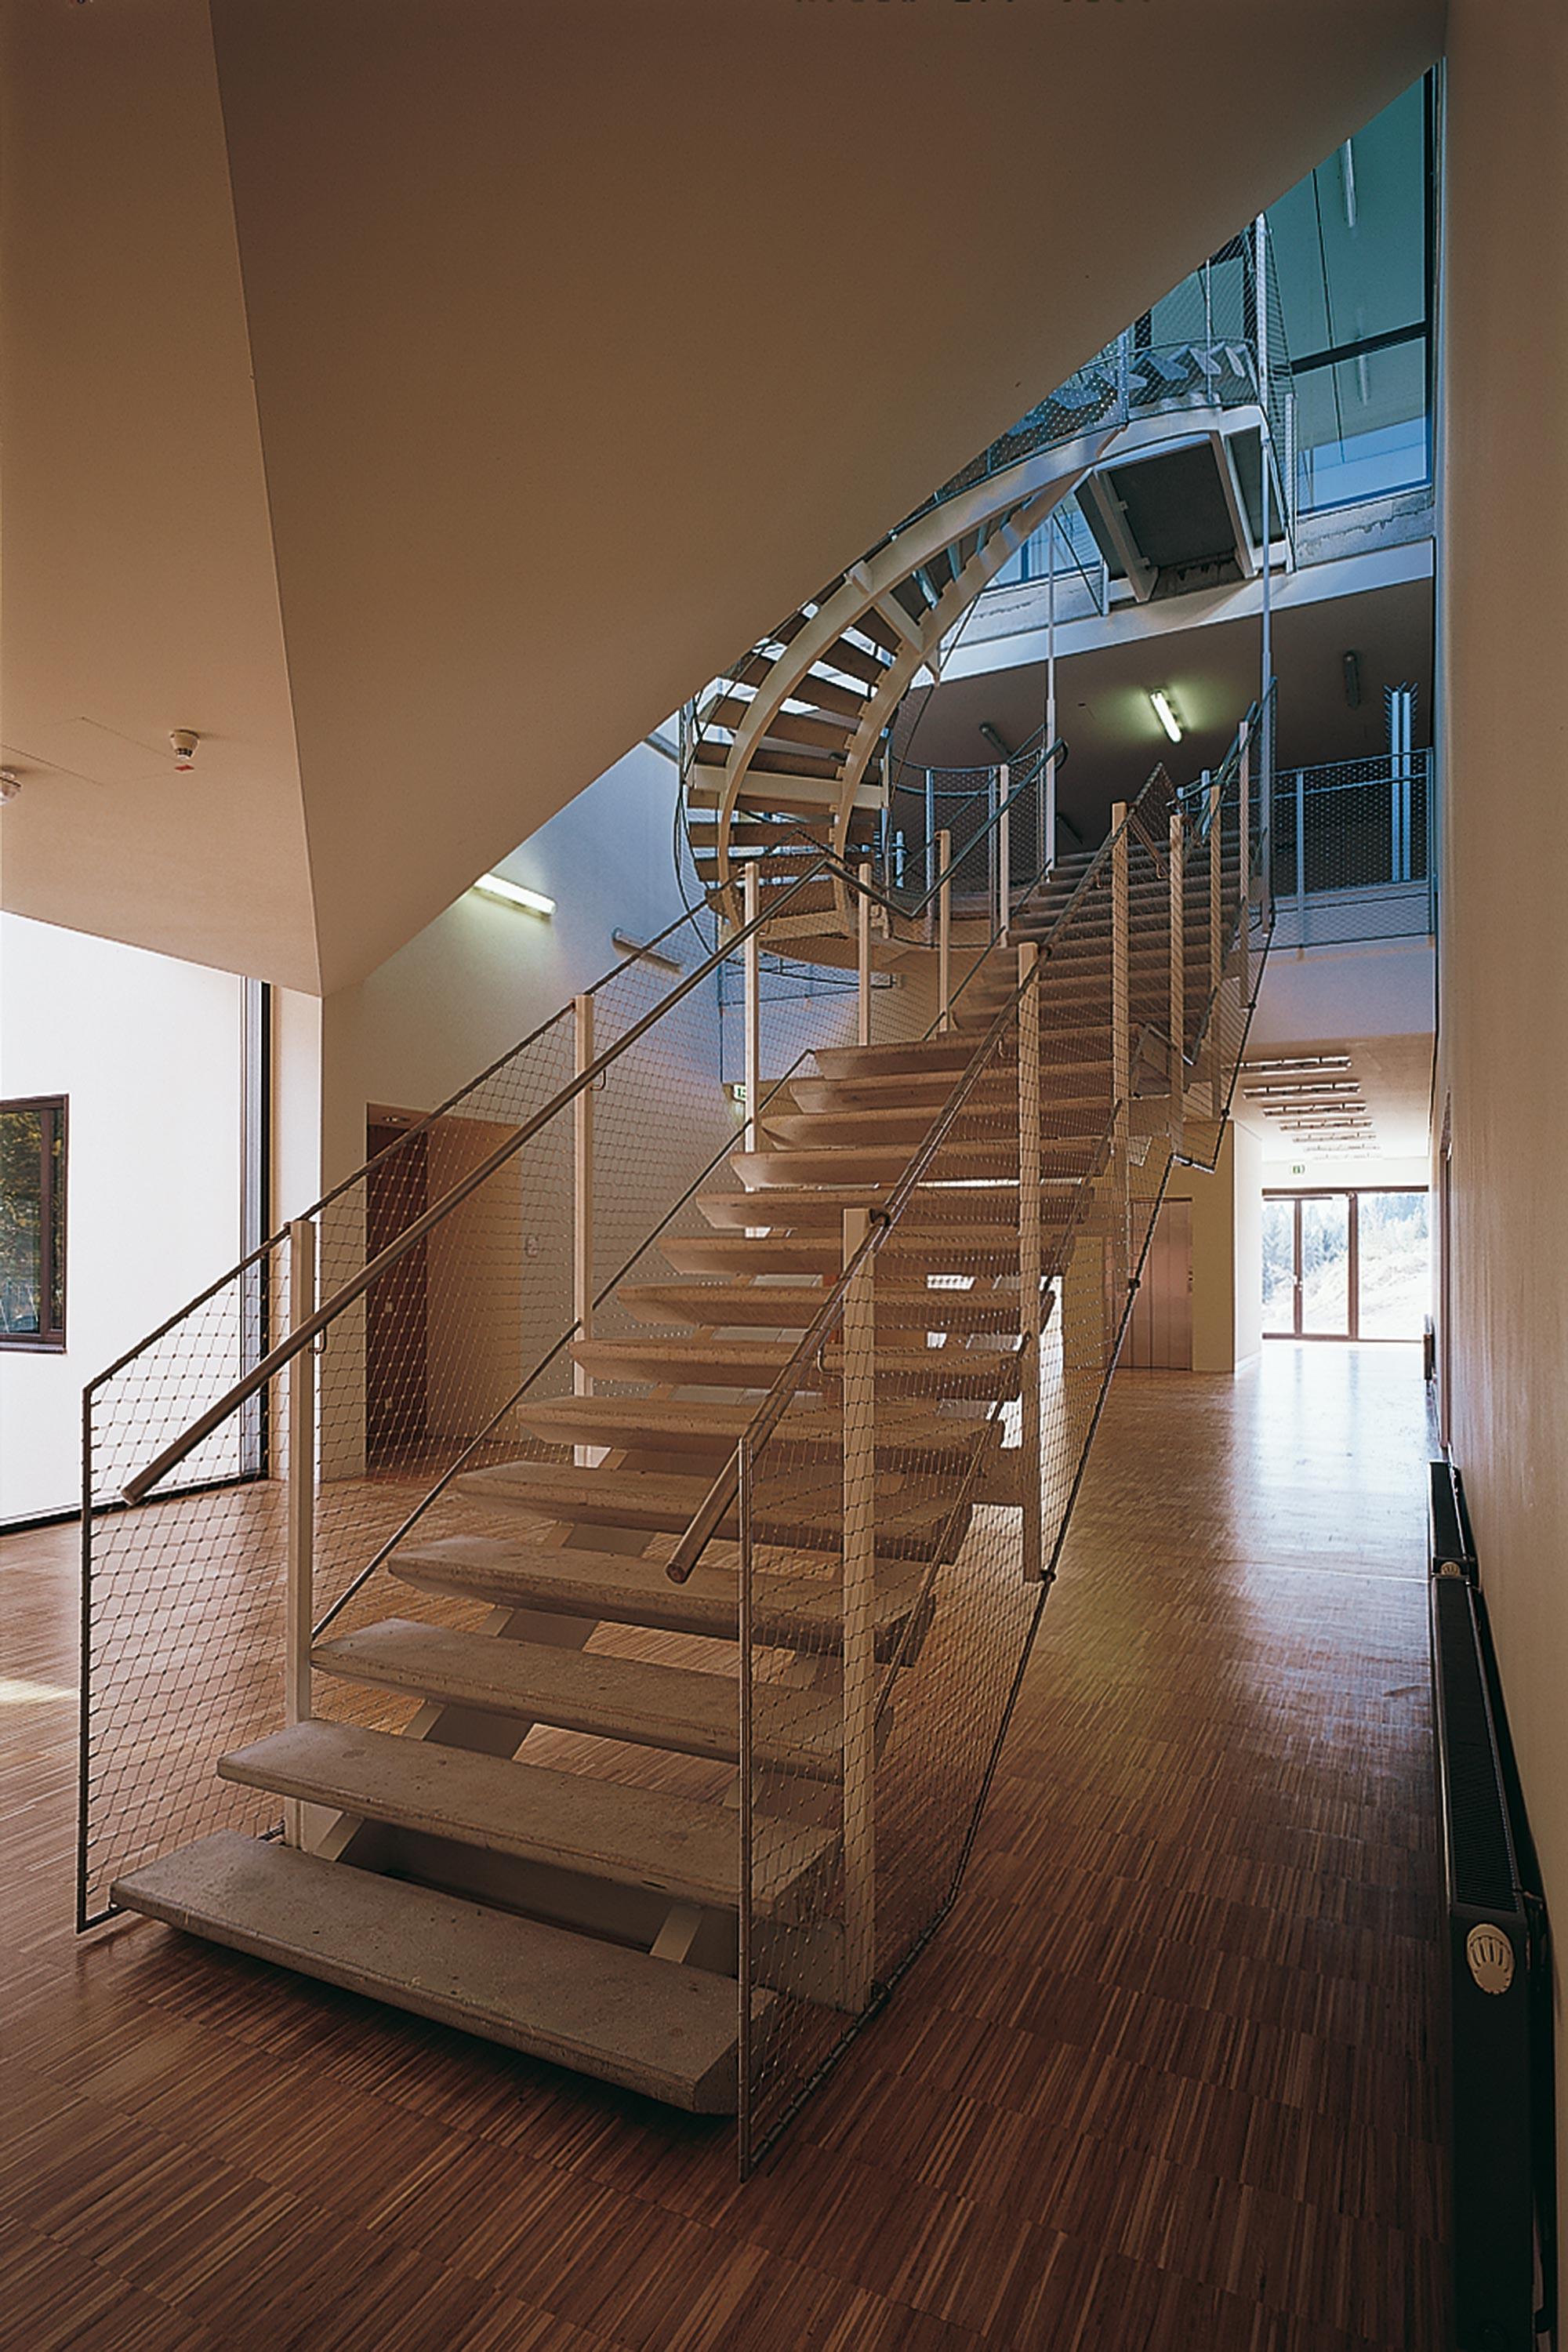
pixel 419 397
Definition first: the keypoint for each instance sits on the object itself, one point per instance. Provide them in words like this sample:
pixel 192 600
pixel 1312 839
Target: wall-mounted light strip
pixel 1165 715
pixel 496 886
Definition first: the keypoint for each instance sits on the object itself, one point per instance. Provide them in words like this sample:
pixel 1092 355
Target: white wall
pixel 1503 1033
pixel 148 1051
pixel 485 973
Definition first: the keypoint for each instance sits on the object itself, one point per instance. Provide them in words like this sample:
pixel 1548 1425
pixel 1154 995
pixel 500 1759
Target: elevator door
pixel 1160 1335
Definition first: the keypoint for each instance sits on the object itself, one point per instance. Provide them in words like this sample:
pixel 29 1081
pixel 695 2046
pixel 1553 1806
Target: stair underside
pixel 622 2016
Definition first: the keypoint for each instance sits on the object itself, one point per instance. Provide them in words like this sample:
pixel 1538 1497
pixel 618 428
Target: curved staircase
pixel 790 750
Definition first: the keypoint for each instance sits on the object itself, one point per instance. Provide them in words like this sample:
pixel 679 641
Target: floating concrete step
pixel 731 1306
pixel 802 1509
pixel 931 1216
pixel 632 1837
pixel 968 1249
pixel 789 1611
pixel 582 1690
pixel 621 2016
pixel 842 1164
pixel 908 1436
pixel 757 1363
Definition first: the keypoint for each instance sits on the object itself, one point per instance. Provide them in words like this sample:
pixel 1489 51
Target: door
pixel 1345 1265
pixel 1325 1274
pixel 1160 1335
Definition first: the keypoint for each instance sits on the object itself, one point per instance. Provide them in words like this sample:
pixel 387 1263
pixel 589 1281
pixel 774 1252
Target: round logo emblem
pixel 1490 1956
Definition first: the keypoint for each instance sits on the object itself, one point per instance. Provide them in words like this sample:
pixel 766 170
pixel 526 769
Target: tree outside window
pixel 32 1223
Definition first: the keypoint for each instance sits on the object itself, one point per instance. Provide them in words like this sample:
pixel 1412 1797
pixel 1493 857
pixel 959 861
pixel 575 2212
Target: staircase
pixel 648 1741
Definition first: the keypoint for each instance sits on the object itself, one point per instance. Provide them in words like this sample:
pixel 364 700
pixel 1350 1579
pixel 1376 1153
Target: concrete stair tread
pixel 686 1425
pixel 732 1305
pixel 790 1612
pixel 585 1690
pixel 931 1213
pixel 757 1363
pixel 678 1846
pixel 965 1249
pixel 801 1508
pixel 621 2016
pixel 766 1171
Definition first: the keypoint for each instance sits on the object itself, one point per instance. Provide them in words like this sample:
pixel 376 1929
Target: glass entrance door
pixel 1344 1265
pixel 1324 1262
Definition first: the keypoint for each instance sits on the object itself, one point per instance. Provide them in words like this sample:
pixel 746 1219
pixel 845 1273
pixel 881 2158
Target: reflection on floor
pixel 1160 2086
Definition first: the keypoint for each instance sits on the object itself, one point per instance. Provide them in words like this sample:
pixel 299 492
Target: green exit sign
pixel 1298 1167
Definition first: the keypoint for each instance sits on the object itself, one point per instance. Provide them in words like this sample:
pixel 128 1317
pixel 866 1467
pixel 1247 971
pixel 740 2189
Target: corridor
pixel 1160 2084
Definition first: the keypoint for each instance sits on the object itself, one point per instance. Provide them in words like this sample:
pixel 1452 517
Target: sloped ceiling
pixel 418 398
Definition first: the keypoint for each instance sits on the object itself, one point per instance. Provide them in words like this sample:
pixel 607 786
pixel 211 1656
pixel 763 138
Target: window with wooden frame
pixel 33 1223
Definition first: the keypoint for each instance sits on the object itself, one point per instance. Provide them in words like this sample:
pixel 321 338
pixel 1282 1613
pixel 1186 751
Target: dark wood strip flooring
pixel 1162 2082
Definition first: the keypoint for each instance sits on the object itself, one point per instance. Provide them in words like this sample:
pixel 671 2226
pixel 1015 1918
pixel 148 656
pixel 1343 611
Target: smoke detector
pixel 185 740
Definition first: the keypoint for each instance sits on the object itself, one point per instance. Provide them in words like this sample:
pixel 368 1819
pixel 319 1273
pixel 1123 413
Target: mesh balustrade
pixel 886 1477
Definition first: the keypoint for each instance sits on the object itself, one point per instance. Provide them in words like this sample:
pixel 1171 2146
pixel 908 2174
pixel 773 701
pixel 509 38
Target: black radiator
pixel 1498 2014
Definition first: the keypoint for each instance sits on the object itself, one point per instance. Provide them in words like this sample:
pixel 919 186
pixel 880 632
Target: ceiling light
pixel 1165 715
pixel 1296 1062
pixel 496 886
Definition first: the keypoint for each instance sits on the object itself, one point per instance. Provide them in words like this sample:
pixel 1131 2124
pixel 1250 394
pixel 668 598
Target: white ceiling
pixel 419 397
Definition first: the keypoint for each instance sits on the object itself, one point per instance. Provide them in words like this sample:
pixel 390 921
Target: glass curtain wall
pixel 1350 1264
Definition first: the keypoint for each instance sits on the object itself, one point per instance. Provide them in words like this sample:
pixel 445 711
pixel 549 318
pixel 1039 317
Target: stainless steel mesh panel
pixel 938 1321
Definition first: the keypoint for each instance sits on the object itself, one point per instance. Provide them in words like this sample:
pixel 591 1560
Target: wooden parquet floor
pixel 1162 2084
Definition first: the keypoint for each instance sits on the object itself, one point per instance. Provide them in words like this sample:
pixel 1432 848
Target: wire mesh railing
pixel 415 1382
pixel 1352 844
pixel 873 1430
pixel 936 1414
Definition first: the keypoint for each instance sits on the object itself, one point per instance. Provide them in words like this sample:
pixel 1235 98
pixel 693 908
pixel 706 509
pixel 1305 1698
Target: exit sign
pixel 1298 1167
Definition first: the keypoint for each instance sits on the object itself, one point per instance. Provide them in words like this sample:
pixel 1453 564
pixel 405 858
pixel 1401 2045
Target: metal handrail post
pixel 863 959
pixel 751 1008
pixel 747 1792
pixel 944 931
pixel 1004 855
pixel 1217 938
pixel 300 1504
pixel 1031 1467
pixel 1302 857
pixel 584 1456
pixel 1244 860
pixel 859 1700
pixel 1121 1037
pixel 1178 983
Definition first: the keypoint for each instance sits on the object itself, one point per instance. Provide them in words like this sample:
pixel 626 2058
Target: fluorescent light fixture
pixel 496 886
pixel 1165 715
